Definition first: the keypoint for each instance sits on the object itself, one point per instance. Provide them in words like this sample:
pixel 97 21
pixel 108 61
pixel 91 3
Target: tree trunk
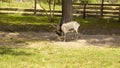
pixel 66 11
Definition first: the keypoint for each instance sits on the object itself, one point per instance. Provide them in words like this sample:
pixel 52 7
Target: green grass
pixel 18 22
pixel 55 57
pixel 46 6
pixel 15 4
pixel 50 56
pixel 97 26
pixel 26 5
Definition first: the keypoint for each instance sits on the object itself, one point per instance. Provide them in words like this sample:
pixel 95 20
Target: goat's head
pixel 59 33
pixel 57 30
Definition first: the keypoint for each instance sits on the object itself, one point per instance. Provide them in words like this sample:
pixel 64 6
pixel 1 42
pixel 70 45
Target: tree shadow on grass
pixel 38 39
pixel 100 40
pixel 44 31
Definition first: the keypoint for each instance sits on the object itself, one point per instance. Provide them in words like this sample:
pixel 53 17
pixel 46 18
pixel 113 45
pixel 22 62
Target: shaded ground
pixel 37 39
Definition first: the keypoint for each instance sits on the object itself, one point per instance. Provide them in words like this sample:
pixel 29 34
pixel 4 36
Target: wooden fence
pixel 80 10
pixel 97 10
pixel 26 11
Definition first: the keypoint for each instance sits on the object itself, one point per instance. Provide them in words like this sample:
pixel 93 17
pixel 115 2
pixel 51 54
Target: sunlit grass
pixel 15 4
pixel 22 19
pixel 13 22
pixel 46 6
pixel 27 5
pixel 55 57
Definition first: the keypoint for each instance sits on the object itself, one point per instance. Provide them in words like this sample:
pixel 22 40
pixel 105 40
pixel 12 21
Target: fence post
pixel 35 2
pixel 119 13
pixel 84 10
pixel 101 13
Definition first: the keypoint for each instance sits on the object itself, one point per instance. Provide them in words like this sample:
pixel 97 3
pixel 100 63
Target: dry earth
pixel 38 39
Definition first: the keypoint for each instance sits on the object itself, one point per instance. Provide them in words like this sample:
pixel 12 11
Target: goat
pixel 64 28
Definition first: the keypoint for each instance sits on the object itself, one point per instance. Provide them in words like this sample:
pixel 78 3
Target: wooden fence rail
pixel 99 10
pixel 82 10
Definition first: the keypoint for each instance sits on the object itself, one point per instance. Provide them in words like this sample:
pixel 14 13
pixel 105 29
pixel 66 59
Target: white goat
pixel 68 27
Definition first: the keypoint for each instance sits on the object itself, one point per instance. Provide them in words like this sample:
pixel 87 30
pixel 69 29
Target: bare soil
pixel 38 39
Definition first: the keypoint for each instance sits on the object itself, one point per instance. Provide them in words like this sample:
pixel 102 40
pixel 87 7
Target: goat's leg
pixel 64 37
pixel 76 35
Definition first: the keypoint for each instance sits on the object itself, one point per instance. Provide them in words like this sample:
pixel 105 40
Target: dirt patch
pixel 38 39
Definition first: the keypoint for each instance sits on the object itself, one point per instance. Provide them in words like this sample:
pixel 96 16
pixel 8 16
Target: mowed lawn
pixel 51 56
pixel 18 22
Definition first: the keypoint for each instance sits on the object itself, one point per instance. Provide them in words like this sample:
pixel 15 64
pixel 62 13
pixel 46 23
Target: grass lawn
pixel 15 4
pixel 26 5
pixel 51 56
pixel 17 22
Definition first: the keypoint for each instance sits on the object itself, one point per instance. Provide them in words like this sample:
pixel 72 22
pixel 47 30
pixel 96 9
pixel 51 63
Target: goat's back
pixel 70 25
